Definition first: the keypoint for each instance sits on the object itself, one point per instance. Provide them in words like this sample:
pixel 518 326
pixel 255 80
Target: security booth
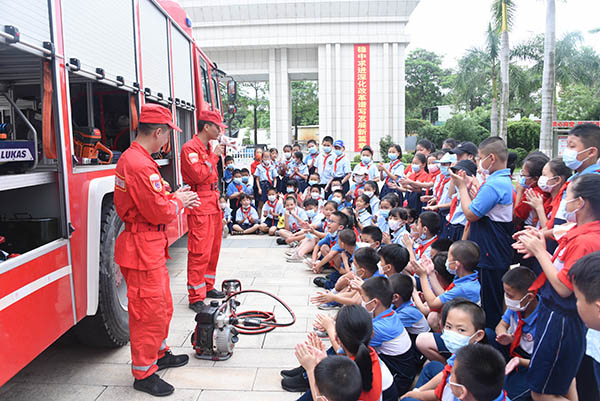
pixel 560 131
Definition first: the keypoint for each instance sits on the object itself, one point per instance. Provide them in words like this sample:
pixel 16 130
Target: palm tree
pixel 503 15
pixel 548 80
pixel 492 54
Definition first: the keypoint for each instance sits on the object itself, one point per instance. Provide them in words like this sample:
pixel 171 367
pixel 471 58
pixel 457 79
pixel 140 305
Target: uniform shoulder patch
pixel 193 157
pixel 120 183
pixel 156 182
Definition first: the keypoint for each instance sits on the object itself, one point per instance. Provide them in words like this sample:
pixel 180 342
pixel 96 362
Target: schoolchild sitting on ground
pixel 478 375
pixel 371 236
pixel 411 317
pixel 362 212
pixel 390 339
pixel 440 245
pixel 371 189
pixel 391 172
pixel 265 178
pixel 235 189
pixel 246 217
pixel 397 222
pixel 227 223
pixel 350 334
pixel 585 276
pixel 366 266
pixel 335 185
pixel 394 259
pixel 291 187
pixel 322 254
pixel 272 210
pixel 315 192
pixel 338 197
pixel 462 261
pixel 515 333
pixel 345 246
pixel 313 179
pixel 427 227
pixel 463 323
pixel 314 232
pixel 442 275
pixel 294 217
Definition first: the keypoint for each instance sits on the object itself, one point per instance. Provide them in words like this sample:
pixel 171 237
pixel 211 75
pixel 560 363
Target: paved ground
pixel 67 371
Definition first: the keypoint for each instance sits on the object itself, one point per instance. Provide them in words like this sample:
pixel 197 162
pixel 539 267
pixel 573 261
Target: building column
pixel 285 114
pixel 338 92
pixel 386 89
pixel 322 79
pixel 329 79
pixel 273 90
pixel 396 96
pixel 402 96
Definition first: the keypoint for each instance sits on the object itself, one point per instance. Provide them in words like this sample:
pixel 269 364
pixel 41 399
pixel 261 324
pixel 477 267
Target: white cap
pixel 447 158
pixel 360 170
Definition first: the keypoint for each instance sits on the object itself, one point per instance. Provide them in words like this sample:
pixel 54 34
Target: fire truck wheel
pixel 109 327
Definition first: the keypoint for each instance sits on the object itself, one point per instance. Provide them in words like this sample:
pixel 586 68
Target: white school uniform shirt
pixel 325 166
pixel 341 166
pixel 241 218
pixel 264 173
pixel 302 169
pixel 371 169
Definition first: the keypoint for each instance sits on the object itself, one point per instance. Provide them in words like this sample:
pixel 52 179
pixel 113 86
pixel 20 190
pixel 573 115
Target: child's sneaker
pixel 295 259
pixel 281 241
pixel 290 252
pixel 294 244
pixel 329 306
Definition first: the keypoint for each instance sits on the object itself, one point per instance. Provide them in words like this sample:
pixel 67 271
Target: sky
pixel 450 27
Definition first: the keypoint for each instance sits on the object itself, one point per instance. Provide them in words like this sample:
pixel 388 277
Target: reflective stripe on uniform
pixel 210 276
pixel 163 345
pixel 177 206
pixel 192 287
pixel 209 165
pixel 143 368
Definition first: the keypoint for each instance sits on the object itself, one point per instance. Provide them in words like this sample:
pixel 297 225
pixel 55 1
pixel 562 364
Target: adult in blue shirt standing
pixel 490 214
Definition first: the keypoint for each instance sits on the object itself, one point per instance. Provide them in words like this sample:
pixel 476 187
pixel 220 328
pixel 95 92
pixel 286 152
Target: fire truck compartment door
pixel 100 35
pixel 182 66
pixel 155 50
pixel 30 17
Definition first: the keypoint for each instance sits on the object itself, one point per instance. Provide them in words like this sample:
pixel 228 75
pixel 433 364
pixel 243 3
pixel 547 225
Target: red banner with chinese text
pixel 361 97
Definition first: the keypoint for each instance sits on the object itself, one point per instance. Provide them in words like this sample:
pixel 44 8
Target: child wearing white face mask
pixel 371 189
pixel 366 163
pixel 464 323
pixel 391 172
pixel 515 333
pixel 412 182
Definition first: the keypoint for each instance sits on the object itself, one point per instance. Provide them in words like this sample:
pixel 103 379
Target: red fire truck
pixel 73 75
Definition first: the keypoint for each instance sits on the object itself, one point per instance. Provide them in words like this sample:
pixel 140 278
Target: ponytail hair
pixel 354 328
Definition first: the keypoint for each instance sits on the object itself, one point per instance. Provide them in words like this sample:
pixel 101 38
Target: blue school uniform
pixel 234 188
pixel 228 174
pixel 423 247
pixel 267 177
pixel 227 214
pixel 324 164
pixel 293 223
pixel 372 170
pixel 302 169
pixel 413 320
pixel 493 204
pixel 397 235
pixel 397 168
pixel 382 223
pixel 341 166
pixel 394 347
pixel 464 287
pixel 329 240
pixel 354 188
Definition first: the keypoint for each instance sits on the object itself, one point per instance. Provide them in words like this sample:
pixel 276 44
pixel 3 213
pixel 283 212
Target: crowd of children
pixel 482 282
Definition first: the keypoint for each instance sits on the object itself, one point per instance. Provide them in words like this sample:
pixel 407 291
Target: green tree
pixel 424 82
pixel 465 128
pixel 578 102
pixel 523 134
pixel 470 88
pixel 305 103
pixel 434 133
pixel 413 125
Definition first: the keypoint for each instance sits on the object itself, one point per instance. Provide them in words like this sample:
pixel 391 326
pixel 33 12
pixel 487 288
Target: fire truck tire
pixel 109 327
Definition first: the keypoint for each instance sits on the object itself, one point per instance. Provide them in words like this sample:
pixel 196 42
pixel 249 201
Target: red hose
pixel 268 321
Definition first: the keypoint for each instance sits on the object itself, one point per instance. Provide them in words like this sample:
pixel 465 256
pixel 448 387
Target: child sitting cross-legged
pixel 461 262
pixel 324 253
pixel 315 231
pixel 463 323
pixel 246 217
pixel 411 317
pixel 393 259
pixel 345 246
pixel 371 236
pixel 294 218
pixel 272 210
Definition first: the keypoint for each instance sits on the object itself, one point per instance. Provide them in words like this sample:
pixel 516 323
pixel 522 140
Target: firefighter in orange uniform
pixel 146 207
pixel 205 223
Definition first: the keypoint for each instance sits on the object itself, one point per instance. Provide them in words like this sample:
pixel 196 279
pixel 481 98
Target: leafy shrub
pixel 523 134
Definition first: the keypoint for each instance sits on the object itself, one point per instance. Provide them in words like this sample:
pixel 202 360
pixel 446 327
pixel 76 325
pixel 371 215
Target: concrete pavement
pixel 68 371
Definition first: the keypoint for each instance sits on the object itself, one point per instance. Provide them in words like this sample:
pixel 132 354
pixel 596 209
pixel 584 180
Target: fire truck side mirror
pixel 231 91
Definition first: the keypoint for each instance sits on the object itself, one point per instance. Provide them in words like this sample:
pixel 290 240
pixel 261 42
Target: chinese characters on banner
pixel 361 97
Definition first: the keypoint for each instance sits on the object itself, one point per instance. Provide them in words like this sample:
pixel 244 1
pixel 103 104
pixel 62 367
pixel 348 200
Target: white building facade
pixel 354 48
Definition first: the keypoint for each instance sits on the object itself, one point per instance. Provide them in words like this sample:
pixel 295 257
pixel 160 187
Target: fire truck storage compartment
pixel 104 108
pixel 29 217
pixel 21 112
